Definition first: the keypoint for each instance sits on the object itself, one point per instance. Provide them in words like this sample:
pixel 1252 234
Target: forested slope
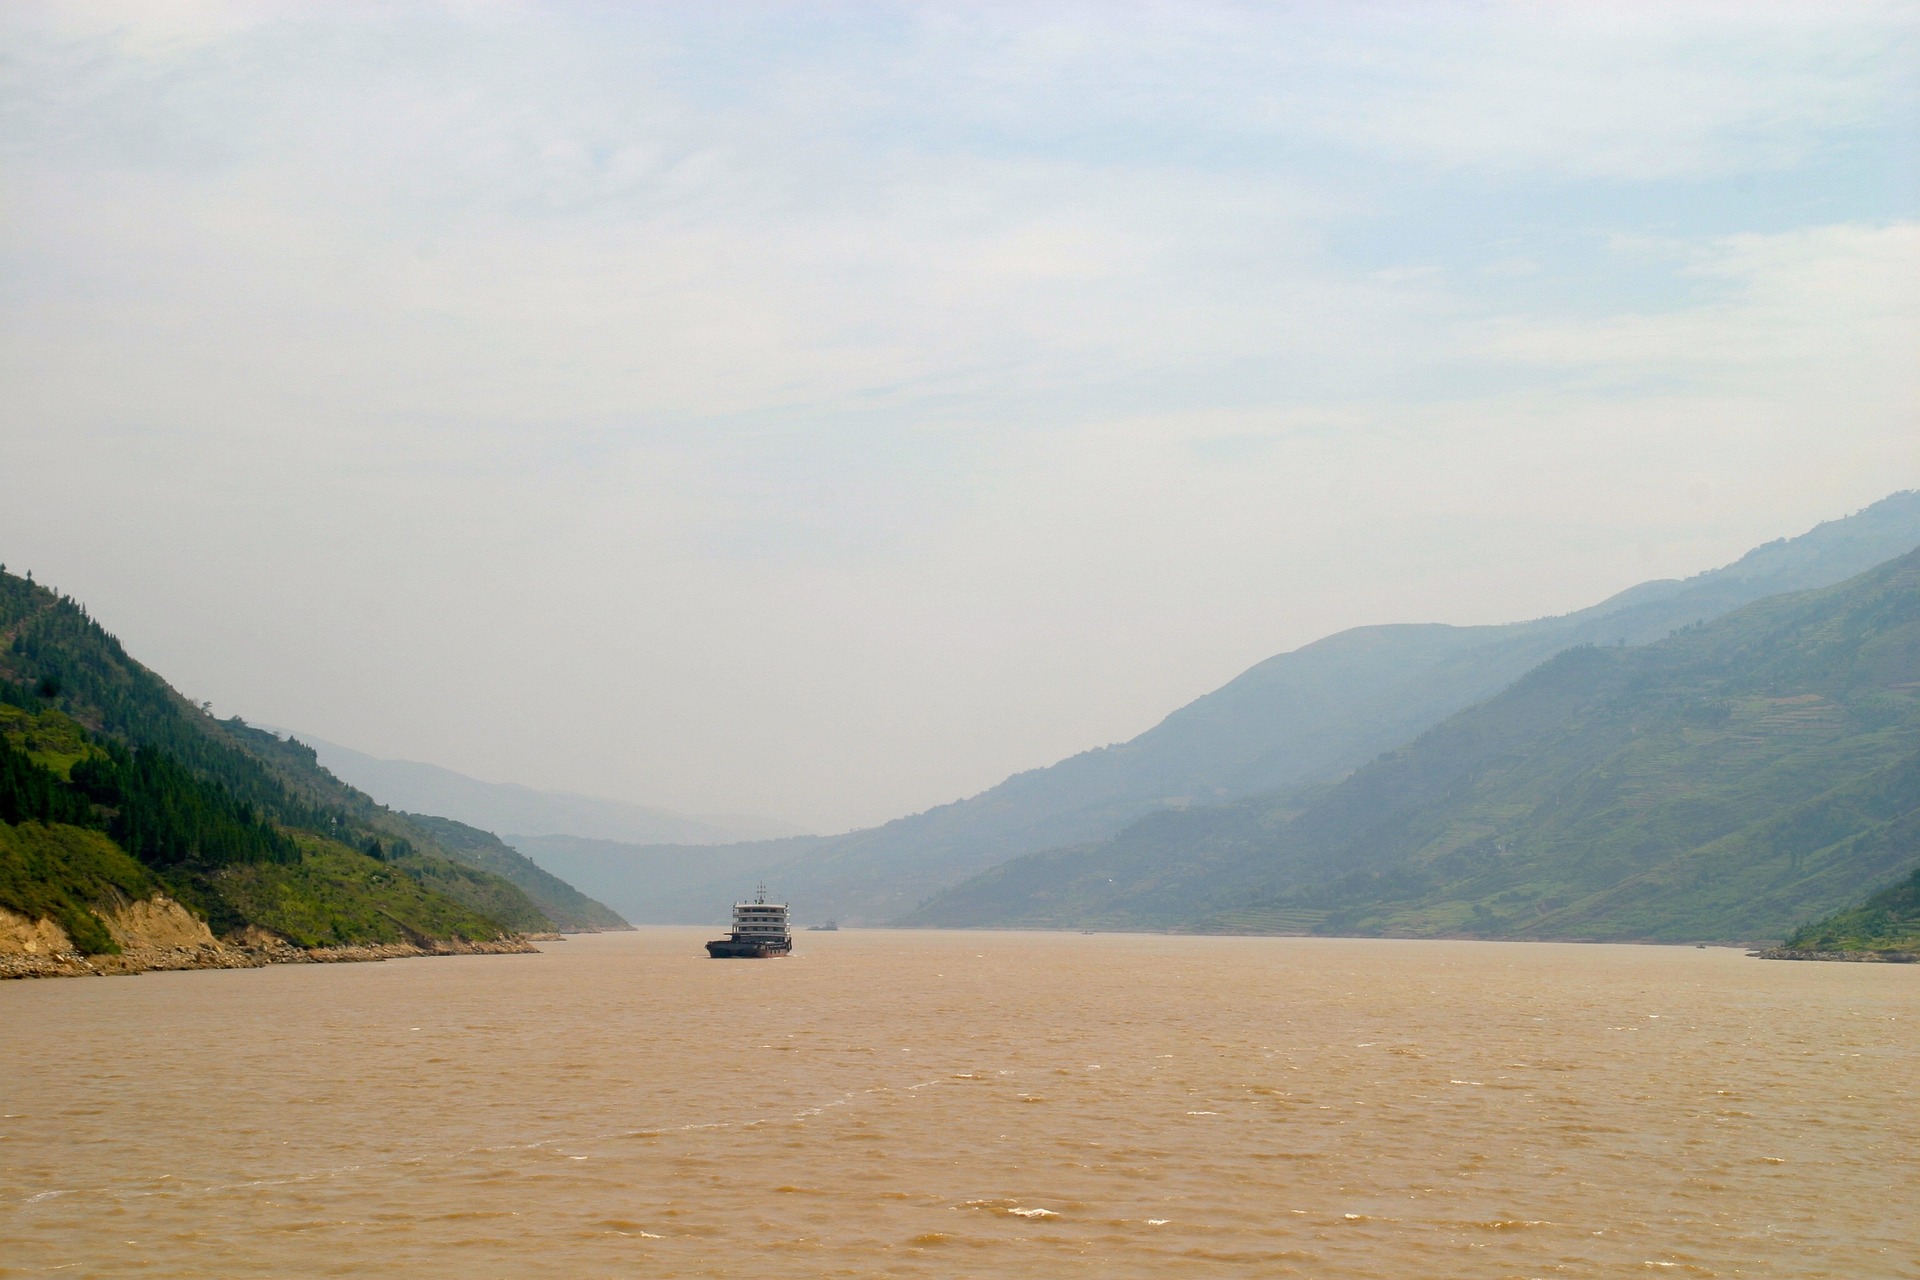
pixel 113 786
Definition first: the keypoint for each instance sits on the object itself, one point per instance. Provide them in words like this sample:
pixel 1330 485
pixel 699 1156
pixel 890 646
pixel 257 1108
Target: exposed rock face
pixel 23 937
pixel 158 921
pixel 158 933
pixel 154 933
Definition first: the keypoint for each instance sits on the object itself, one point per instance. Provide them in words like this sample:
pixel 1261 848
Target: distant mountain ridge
pixel 1306 716
pixel 1724 784
pixel 675 884
pixel 569 909
pixel 508 807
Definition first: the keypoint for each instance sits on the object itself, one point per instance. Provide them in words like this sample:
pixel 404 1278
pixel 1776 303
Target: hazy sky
pixel 826 410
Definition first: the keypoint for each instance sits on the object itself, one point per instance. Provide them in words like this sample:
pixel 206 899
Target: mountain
pixel 122 801
pixel 503 806
pixel 1721 785
pixel 568 908
pixel 1302 717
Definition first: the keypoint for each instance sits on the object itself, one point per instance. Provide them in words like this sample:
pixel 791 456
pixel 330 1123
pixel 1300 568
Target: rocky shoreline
pixel 158 935
pixel 224 955
pixel 1853 957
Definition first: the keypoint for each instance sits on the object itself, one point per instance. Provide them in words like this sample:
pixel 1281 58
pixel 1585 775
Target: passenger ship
pixel 759 930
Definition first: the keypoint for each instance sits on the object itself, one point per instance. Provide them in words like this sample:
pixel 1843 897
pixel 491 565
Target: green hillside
pixel 1724 784
pixel 81 831
pixel 1888 923
pixel 333 895
pixel 98 754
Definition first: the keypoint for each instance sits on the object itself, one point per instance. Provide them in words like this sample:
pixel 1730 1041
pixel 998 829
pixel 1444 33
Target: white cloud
pixel 831 414
pixel 1627 91
pixel 1829 312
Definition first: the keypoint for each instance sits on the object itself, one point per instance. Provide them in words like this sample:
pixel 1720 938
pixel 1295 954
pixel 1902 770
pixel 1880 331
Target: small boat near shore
pixel 760 931
pixel 831 926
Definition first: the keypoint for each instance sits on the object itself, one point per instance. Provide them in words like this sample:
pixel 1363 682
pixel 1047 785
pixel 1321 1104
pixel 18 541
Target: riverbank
pixel 219 955
pixel 158 935
pixel 1855 957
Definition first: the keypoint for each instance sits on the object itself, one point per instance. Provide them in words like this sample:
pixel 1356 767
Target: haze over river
pixel 971 1104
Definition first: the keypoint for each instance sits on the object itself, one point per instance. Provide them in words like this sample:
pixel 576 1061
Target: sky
pixel 825 410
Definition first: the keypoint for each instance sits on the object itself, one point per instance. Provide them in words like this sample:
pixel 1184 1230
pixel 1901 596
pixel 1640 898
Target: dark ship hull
pixel 748 948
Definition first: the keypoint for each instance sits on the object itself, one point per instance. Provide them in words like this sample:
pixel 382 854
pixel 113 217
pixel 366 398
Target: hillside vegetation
pixel 62 873
pixel 1723 784
pixel 113 786
pixel 332 895
pixel 1887 923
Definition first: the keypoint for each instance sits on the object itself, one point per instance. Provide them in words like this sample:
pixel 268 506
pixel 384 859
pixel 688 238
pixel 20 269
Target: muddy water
pixel 950 1104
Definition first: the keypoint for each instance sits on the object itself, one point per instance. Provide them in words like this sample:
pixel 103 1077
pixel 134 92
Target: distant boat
pixel 759 931
pixel 831 926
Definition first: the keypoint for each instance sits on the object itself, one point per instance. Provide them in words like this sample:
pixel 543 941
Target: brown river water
pixel 971 1104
